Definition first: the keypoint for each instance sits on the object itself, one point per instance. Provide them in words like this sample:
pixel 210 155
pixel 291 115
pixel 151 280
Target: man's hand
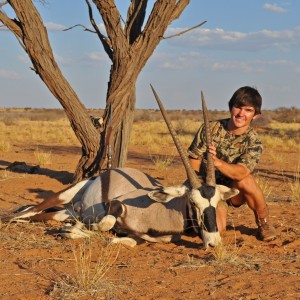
pixel 212 150
pixel 233 171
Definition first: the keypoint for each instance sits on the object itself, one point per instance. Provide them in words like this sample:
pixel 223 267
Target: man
pixel 236 150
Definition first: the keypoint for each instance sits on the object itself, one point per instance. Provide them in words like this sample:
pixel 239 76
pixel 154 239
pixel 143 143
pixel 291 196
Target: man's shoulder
pixel 221 122
pixel 219 125
pixel 252 132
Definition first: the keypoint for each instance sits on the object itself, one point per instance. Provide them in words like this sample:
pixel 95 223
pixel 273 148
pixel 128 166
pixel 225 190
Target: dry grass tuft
pixel 264 184
pixel 226 252
pixel 162 162
pixel 4 146
pixel 91 270
pixel 5 175
pixel 38 132
pixel 43 158
pixel 283 136
pixel 157 133
pixel 19 236
pixel 294 185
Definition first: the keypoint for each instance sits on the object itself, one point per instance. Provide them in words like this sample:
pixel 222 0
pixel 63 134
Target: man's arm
pixel 234 171
pixel 195 163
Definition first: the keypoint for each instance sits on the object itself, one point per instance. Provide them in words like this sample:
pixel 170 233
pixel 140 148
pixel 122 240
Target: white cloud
pixel 102 28
pixel 2 27
pixel 59 27
pixel 297 69
pixel 171 65
pixel 197 60
pixel 9 74
pixel 275 8
pixel 98 56
pixel 175 61
pixel 55 26
pixel 62 60
pixel 24 58
pixel 253 66
pixel 219 39
pixel 282 62
pixel 244 67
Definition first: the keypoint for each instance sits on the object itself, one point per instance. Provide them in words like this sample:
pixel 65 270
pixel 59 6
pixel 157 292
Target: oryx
pixel 132 203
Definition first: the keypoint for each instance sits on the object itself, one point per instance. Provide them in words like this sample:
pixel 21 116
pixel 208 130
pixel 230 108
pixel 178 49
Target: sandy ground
pixel 34 264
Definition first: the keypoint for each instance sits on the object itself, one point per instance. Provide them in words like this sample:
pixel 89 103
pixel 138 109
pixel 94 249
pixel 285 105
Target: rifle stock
pixel 108 147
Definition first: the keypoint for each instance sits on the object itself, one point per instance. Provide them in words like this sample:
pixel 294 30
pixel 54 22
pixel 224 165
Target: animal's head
pixel 203 205
pixel 204 197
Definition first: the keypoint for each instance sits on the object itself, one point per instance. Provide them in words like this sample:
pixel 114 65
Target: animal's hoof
pixel 106 224
pixel 73 232
pixel 126 241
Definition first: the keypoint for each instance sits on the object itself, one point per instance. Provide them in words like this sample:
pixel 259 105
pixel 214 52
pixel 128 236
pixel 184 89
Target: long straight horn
pixel 191 174
pixel 210 172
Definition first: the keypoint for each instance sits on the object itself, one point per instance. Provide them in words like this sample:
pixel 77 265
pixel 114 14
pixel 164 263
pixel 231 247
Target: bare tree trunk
pixel 132 47
pixel 129 48
pixel 123 98
pixel 33 36
pixel 124 115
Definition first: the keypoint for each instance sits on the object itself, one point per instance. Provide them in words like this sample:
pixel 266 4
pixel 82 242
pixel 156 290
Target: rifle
pixel 108 148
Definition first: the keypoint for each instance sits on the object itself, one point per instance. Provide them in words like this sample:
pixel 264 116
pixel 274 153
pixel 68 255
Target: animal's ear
pixel 226 192
pixel 166 194
pixel 115 208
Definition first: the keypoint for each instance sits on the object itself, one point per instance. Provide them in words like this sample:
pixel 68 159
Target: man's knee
pixel 248 183
pixel 235 202
pixel 245 187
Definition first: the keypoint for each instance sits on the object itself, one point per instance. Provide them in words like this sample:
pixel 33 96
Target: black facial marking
pixel 194 220
pixel 207 191
pixel 209 219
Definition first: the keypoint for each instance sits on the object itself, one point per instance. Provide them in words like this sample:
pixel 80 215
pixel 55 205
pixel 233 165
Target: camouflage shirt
pixel 243 149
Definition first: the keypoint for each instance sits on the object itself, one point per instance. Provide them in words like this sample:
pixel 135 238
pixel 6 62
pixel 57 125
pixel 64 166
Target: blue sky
pixel 244 42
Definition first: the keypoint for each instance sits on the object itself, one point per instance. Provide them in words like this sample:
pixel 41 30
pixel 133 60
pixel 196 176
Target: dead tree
pixel 128 44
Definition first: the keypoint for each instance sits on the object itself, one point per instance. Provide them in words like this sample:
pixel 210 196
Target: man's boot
pixel 266 231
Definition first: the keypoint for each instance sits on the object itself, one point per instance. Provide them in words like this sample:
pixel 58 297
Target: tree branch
pixel 104 40
pixel 112 21
pixel 135 19
pixel 85 28
pixel 179 8
pixel 184 31
pixel 158 21
pixel 13 25
pixel 3 3
pixel 38 48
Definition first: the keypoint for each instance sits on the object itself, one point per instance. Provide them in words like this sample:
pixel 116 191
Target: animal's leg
pixel 74 231
pixel 60 216
pixel 65 196
pixel 77 230
pixel 126 241
pixel 161 239
pixel 105 224
pixel 132 240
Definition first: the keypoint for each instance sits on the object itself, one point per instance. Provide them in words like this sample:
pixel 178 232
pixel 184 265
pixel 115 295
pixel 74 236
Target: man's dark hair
pixel 246 96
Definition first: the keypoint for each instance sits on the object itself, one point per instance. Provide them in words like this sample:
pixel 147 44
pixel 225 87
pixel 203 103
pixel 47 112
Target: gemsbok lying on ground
pixel 133 204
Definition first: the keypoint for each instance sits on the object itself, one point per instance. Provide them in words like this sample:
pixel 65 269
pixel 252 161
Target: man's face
pixel 242 116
